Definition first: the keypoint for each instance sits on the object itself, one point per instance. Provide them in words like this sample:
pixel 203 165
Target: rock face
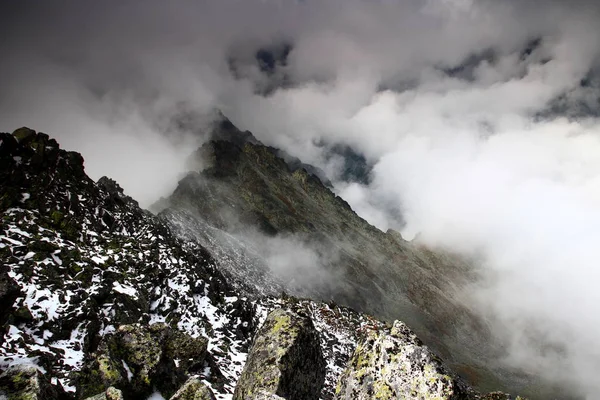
pixel 285 360
pixel 27 383
pixel 138 358
pixel 394 364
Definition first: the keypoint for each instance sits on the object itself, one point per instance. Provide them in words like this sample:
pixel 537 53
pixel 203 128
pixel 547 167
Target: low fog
pixel 479 118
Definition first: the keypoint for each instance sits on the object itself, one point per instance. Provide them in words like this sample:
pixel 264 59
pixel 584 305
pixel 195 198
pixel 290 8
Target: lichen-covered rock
pixel 285 359
pixel 394 364
pixel 194 389
pixel 110 394
pixel 186 351
pixel 24 382
pixel 139 358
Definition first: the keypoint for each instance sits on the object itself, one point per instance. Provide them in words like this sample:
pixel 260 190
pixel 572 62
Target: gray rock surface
pixel 394 364
pixel 285 359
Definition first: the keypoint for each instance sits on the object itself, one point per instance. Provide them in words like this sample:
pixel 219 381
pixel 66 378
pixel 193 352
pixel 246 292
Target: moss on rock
pixel 25 382
pixel 193 389
pixel 139 358
pixel 393 363
pixel 285 359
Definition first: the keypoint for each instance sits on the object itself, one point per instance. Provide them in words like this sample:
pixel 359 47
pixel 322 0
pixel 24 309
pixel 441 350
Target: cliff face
pixel 104 300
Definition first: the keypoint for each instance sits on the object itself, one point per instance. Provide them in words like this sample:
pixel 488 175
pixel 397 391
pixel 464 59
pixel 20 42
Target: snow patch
pixel 129 373
pixel 125 289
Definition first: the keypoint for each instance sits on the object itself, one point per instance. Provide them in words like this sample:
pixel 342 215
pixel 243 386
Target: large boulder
pixel 26 382
pixel 394 364
pixel 285 360
pixel 193 389
pixel 138 358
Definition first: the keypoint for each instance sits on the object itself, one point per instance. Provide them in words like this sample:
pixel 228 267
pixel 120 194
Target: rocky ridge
pixel 105 300
pixel 244 192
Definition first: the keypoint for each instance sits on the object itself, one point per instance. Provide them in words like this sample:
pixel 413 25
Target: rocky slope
pixel 101 299
pixel 251 198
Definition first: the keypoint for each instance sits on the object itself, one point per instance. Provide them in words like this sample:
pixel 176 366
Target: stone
pixel 26 382
pixel 194 389
pixel 394 364
pixel 285 360
pixel 138 358
pixel 24 135
pixel 110 394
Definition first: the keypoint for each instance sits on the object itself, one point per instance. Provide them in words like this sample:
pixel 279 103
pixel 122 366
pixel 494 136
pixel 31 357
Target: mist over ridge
pixel 479 119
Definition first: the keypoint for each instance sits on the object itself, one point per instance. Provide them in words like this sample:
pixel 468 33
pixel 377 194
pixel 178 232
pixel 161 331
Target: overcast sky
pixel 479 117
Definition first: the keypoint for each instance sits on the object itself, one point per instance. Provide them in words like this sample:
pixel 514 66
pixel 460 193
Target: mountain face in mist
pixel 101 298
pixel 294 234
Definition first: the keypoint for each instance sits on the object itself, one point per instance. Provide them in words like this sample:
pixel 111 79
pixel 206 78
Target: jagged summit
pixel 223 129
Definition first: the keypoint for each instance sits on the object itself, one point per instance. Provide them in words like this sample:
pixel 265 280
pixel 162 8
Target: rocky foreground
pixel 100 299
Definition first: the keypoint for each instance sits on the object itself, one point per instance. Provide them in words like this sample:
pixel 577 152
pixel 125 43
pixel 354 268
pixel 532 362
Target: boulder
pixel 26 382
pixel 194 389
pixel 24 135
pixel 110 394
pixel 285 360
pixel 139 358
pixel 394 364
pixel 8 144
